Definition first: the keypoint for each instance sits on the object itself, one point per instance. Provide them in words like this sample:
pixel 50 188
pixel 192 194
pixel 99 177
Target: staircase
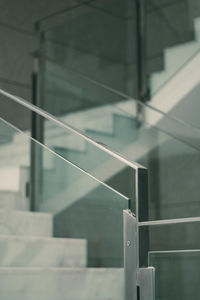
pixel 179 78
pixel 38 256
pixel 39 259
pixel 71 247
pixel 35 263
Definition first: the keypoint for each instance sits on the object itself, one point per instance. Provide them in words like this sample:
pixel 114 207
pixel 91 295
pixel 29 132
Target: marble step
pixel 174 90
pixel 61 284
pixel 25 223
pixel 10 178
pixel 175 57
pixel 19 251
pixel 13 159
pixel 9 200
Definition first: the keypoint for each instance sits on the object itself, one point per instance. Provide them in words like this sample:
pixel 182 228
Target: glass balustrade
pixel 173 250
pixel 74 237
pixel 71 144
pixel 167 146
pixel 161 42
pixel 73 195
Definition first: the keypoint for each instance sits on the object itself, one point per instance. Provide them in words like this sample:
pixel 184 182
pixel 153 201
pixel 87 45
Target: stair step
pixel 61 284
pixel 71 142
pixel 18 251
pixel 15 160
pixel 10 178
pixel 174 90
pixel 125 132
pixel 9 200
pixel 25 223
pixel 22 158
pixel 175 57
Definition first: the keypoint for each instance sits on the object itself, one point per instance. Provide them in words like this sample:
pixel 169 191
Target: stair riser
pixel 25 223
pixel 41 252
pixel 9 200
pixel 85 284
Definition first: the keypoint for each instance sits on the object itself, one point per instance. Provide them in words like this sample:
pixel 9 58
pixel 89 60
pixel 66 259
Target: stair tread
pixel 69 270
pixel 31 251
pixel 54 283
pixel 23 223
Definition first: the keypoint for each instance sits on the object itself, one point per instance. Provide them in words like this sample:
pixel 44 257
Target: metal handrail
pixel 70 128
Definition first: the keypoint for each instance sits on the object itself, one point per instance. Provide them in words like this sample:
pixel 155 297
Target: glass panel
pixel 14 173
pixel 75 234
pixel 177 274
pixel 172 40
pixel 175 252
pixel 90 156
pixel 109 53
pixel 173 51
pixel 98 39
pixel 167 147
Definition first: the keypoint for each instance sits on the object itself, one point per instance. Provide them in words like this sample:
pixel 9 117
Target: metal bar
pixel 142 213
pixel 67 161
pixel 169 222
pixel 33 150
pixel 141 50
pixel 66 126
pixel 146 283
pixel 130 255
pixel 36 134
pixel 142 194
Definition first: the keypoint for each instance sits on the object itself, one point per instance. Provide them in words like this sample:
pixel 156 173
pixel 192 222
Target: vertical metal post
pixel 33 135
pixel 141 50
pixel 142 213
pixel 143 82
pixel 130 255
pixel 139 282
pixel 146 283
pixel 36 134
pixel 37 127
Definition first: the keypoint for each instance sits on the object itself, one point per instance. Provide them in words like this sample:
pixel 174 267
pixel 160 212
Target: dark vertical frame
pixel 143 89
pixel 33 148
pixel 37 134
pixel 142 193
